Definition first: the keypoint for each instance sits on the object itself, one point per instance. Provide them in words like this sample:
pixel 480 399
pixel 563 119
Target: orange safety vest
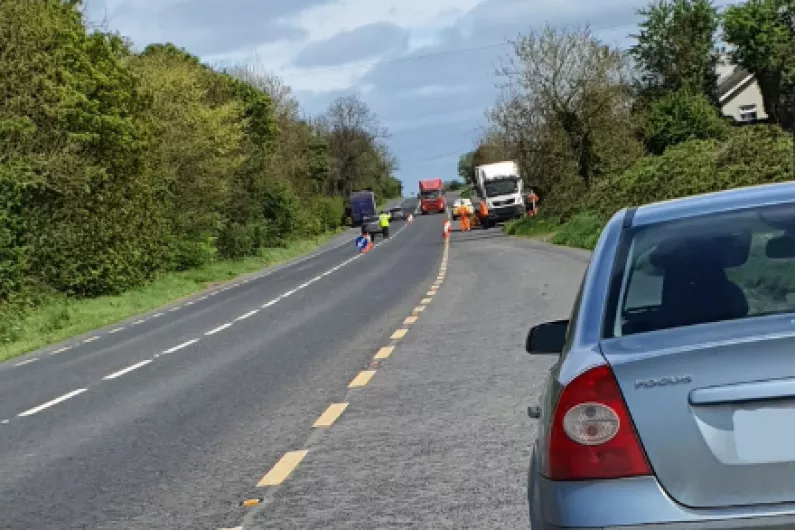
pixel 483 210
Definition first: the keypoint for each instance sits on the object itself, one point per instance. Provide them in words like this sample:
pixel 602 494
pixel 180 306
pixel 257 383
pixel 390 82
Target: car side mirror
pixel 549 337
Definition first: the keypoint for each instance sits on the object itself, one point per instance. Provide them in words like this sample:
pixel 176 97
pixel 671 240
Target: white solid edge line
pixel 55 401
pixel 272 302
pixel 219 328
pixel 288 293
pixel 249 314
pixel 180 346
pixel 129 369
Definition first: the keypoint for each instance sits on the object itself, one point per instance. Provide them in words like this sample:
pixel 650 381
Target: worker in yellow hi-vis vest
pixel 383 221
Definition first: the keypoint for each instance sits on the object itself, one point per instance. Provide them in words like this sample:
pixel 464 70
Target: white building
pixel 738 93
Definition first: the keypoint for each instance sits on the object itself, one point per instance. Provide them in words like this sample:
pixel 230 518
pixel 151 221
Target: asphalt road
pixel 169 420
pixel 382 391
pixel 440 437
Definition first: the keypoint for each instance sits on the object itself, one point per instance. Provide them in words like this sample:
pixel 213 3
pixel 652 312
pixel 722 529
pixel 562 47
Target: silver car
pixel 672 401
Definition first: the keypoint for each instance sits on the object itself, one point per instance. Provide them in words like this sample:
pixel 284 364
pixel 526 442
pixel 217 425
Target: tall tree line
pixel 118 165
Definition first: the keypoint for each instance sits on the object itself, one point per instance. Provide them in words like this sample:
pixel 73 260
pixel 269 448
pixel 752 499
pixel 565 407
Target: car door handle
pixel 534 412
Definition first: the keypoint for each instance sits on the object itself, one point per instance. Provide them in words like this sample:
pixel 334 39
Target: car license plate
pixel 765 435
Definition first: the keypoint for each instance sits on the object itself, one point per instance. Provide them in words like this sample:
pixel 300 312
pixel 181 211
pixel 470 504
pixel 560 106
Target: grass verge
pixel 63 318
pixel 581 231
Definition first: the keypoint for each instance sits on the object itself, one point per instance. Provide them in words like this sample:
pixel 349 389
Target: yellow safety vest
pixel 384 220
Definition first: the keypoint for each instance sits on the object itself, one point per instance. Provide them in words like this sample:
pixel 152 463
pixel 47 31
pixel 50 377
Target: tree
pixel 198 144
pixel 761 32
pixel 570 78
pixel 453 185
pixel 359 157
pixel 675 48
pixel 466 168
pixel 678 117
pixel 285 106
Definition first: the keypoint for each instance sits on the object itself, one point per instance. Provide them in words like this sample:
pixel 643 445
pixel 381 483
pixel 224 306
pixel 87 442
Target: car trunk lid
pixel 714 407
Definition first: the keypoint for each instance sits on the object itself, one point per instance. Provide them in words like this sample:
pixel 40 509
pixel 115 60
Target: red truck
pixel 432 196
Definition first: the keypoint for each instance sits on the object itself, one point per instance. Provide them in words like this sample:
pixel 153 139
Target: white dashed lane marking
pixel 247 315
pixel 178 347
pixel 126 370
pixel 55 401
pixel 219 328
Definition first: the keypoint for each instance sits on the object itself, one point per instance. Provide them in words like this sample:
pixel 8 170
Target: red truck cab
pixel 432 196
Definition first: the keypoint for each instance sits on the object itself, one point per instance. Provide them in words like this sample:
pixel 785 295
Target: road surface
pixel 243 393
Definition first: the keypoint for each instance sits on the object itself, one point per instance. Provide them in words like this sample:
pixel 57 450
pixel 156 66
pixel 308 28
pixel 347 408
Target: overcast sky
pixel 426 67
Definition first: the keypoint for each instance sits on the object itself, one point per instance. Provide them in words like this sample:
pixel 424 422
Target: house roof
pixel 732 82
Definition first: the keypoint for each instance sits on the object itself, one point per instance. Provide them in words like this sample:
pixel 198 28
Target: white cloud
pixel 428 73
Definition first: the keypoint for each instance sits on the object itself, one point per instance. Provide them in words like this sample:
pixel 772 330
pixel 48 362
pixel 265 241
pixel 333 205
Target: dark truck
pixel 362 205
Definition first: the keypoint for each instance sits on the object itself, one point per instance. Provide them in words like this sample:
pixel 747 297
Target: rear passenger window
pixel 701 270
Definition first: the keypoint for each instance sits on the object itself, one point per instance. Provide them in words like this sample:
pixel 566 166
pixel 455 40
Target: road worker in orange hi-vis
pixel 483 214
pixel 532 200
pixel 463 213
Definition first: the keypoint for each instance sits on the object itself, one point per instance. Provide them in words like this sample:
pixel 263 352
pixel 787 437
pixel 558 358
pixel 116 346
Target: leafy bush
pixel 678 117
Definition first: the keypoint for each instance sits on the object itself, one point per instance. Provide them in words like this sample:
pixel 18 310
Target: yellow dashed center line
pixel 384 352
pixel 282 469
pixel 333 412
pixel 361 379
pixel 290 461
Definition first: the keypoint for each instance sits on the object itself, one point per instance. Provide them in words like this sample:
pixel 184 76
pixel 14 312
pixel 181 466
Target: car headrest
pixel 728 250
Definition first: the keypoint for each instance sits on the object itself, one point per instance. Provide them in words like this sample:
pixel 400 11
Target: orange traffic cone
pixel 447 227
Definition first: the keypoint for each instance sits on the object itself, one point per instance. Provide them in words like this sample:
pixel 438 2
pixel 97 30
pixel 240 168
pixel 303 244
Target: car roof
pixel 715 202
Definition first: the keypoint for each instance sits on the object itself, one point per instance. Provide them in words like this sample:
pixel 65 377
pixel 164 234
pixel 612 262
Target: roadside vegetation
pixel 596 129
pixel 131 177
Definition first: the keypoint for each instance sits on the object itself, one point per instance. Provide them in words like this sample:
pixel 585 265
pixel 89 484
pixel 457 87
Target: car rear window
pixel 705 269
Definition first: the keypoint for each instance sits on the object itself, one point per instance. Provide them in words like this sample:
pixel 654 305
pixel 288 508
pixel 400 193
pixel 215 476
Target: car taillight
pixel 592 435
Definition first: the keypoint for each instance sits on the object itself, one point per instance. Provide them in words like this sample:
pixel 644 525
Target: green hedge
pixel 751 155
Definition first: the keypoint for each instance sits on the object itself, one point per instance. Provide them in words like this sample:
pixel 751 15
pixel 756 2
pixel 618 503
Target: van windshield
pixel 705 269
pixel 501 187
